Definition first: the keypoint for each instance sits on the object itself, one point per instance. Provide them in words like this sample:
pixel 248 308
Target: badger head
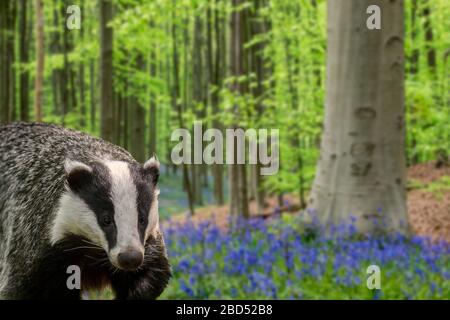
pixel 112 204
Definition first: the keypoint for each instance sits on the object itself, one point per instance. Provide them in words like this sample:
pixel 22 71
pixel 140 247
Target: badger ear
pixel 151 167
pixel 78 174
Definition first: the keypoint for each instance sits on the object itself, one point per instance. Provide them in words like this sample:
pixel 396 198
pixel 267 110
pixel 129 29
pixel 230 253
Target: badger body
pixel 69 199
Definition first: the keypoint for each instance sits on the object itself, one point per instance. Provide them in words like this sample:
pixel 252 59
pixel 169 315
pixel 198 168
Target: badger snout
pixel 130 259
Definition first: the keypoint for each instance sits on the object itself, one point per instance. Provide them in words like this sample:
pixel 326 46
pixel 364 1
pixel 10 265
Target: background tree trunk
pixel 429 38
pixel 7 77
pixel 258 27
pixel 24 56
pixel 216 75
pixel 137 136
pixel 106 70
pixel 152 121
pixel 92 96
pixel 178 107
pixel 238 172
pixel 361 171
pixel 81 80
pixel 197 97
pixel 40 54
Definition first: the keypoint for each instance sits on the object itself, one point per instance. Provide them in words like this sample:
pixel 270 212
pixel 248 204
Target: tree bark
pixel 24 57
pixel 81 82
pixel 177 106
pixel 64 72
pixel 138 120
pixel 106 71
pixel 415 50
pixel 7 72
pixel 429 37
pixel 295 129
pixel 238 172
pixel 216 74
pixel 361 171
pixel 258 27
pixel 197 86
pixel 152 120
pixel 40 55
pixel 58 77
pixel 92 85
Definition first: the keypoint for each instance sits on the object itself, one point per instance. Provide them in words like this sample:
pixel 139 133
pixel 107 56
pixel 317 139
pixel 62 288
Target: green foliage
pixel 293 52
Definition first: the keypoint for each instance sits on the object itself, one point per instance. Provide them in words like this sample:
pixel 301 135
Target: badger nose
pixel 130 259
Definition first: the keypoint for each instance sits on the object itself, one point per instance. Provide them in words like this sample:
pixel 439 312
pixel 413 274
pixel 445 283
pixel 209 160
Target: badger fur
pixel 67 199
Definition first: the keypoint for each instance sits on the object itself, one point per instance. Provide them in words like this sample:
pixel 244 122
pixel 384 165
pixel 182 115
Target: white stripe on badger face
pixel 74 216
pixel 153 221
pixel 124 199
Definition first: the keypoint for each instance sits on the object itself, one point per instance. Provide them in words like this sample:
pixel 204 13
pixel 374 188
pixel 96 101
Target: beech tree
pixel 362 171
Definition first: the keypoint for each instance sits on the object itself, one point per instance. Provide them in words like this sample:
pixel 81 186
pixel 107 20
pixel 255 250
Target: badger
pixel 68 199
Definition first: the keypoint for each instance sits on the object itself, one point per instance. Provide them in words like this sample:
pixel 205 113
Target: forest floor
pixel 429 200
pixel 428 204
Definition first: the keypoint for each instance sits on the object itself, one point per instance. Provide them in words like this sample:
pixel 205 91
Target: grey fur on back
pixel 32 159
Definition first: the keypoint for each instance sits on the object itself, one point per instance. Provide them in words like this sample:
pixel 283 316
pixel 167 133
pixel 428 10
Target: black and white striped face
pixel 114 204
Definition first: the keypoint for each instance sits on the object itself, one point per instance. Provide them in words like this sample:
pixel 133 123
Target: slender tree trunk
pixel 82 94
pixel 24 56
pixel 258 26
pixel 117 119
pixel 40 55
pixel 361 171
pixel 185 90
pixel 126 122
pixel 12 114
pixel 152 120
pixel 92 85
pixel 415 51
pixel 316 62
pixel 81 79
pixel 57 73
pixel 67 84
pixel 412 155
pixel 7 55
pixel 138 122
pixel 295 139
pixel 3 62
pixel 238 174
pixel 64 72
pixel 429 37
pixel 215 71
pixel 215 67
pixel 119 123
pixel 106 72
pixel 73 88
pixel 197 82
pixel 177 106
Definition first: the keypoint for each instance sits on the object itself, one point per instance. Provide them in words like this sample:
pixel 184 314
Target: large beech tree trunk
pixel 361 171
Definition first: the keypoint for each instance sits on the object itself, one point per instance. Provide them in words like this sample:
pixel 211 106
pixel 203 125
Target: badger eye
pixel 141 220
pixel 106 221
